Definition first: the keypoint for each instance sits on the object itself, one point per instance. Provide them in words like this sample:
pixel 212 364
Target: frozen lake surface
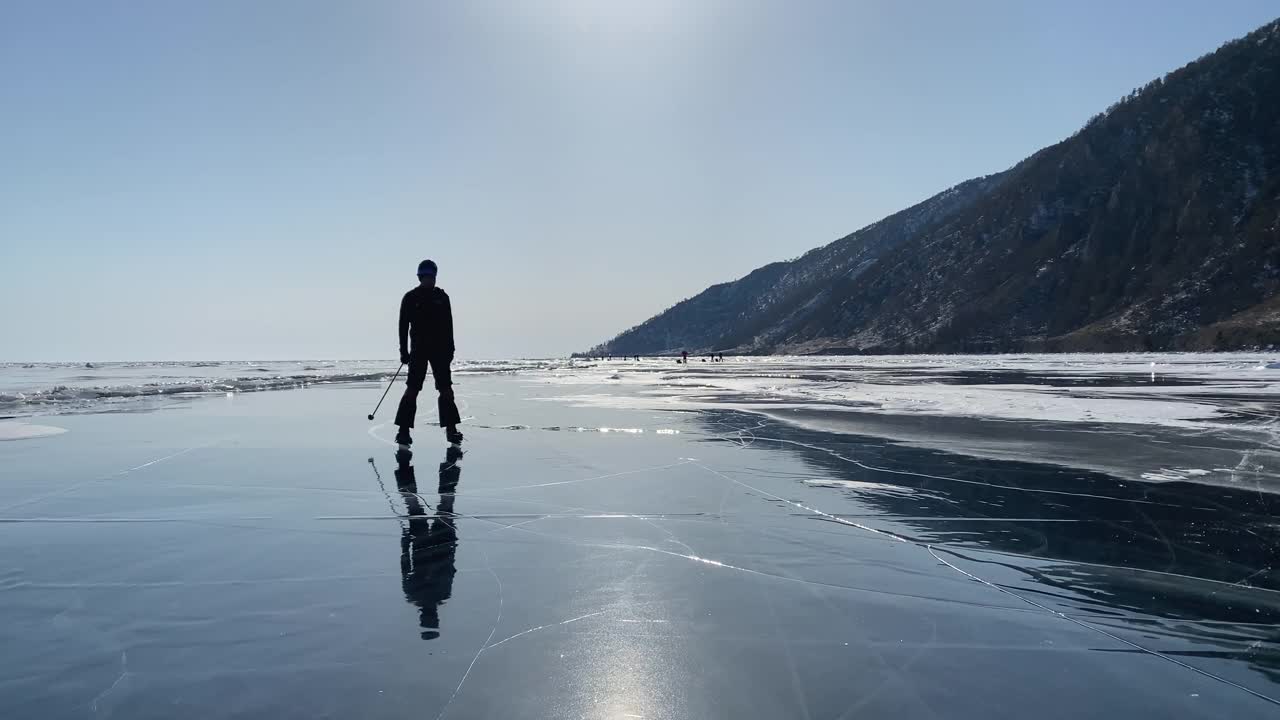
pixel 760 538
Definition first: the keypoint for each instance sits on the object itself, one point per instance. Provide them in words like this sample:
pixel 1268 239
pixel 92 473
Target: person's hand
pixel 404 357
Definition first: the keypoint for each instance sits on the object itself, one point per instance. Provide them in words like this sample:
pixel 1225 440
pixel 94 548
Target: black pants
pixel 444 385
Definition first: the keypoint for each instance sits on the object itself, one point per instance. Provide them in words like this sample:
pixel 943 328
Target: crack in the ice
pixel 833 518
pixel 670 535
pixel 928 476
pixel 801 581
pixel 480 492
pixel 920 649
pixel 542 627
pixel 511 516
pixel 123 520
pixel 124 672
pixel 85 483
pixel 976 518
pixel 930 548
pixel 1044 540
pixel 158 584
pixel 1243 582
pixel 693 557
pixel 496 621
pixel 350 491
pixel 782 638
pixel 1270 428
pixel 1168 544
pixel 1086 563
pixel 1089 626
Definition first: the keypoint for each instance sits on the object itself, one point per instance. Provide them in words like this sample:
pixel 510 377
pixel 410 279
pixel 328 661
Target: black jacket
pixel 427 318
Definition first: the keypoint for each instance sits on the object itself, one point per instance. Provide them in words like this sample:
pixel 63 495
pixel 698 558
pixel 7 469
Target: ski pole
pixel 384 392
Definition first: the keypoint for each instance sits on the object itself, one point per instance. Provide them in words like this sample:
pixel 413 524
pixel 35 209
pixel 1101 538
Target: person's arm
pixel 404 330
pixel 448 325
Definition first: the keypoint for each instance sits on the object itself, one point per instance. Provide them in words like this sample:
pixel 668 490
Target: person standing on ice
pixel 426 318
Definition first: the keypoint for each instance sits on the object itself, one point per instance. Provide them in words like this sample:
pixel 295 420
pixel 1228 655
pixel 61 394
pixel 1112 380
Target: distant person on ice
pixel 427 318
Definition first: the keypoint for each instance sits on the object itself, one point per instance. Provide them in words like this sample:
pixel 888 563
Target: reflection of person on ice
pixel 426 318
pixel 429 545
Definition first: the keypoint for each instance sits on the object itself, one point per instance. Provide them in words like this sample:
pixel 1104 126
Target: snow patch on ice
pixel 1174 474
pixel 25 431
pixel 1079 391
pixel 860 485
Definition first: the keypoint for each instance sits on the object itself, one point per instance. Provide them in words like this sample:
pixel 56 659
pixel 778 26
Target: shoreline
pixel 1210 419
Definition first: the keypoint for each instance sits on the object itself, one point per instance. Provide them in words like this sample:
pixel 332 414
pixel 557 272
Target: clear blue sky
pixel 259 178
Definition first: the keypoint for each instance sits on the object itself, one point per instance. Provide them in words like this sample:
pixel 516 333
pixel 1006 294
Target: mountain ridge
pixel 1155 226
